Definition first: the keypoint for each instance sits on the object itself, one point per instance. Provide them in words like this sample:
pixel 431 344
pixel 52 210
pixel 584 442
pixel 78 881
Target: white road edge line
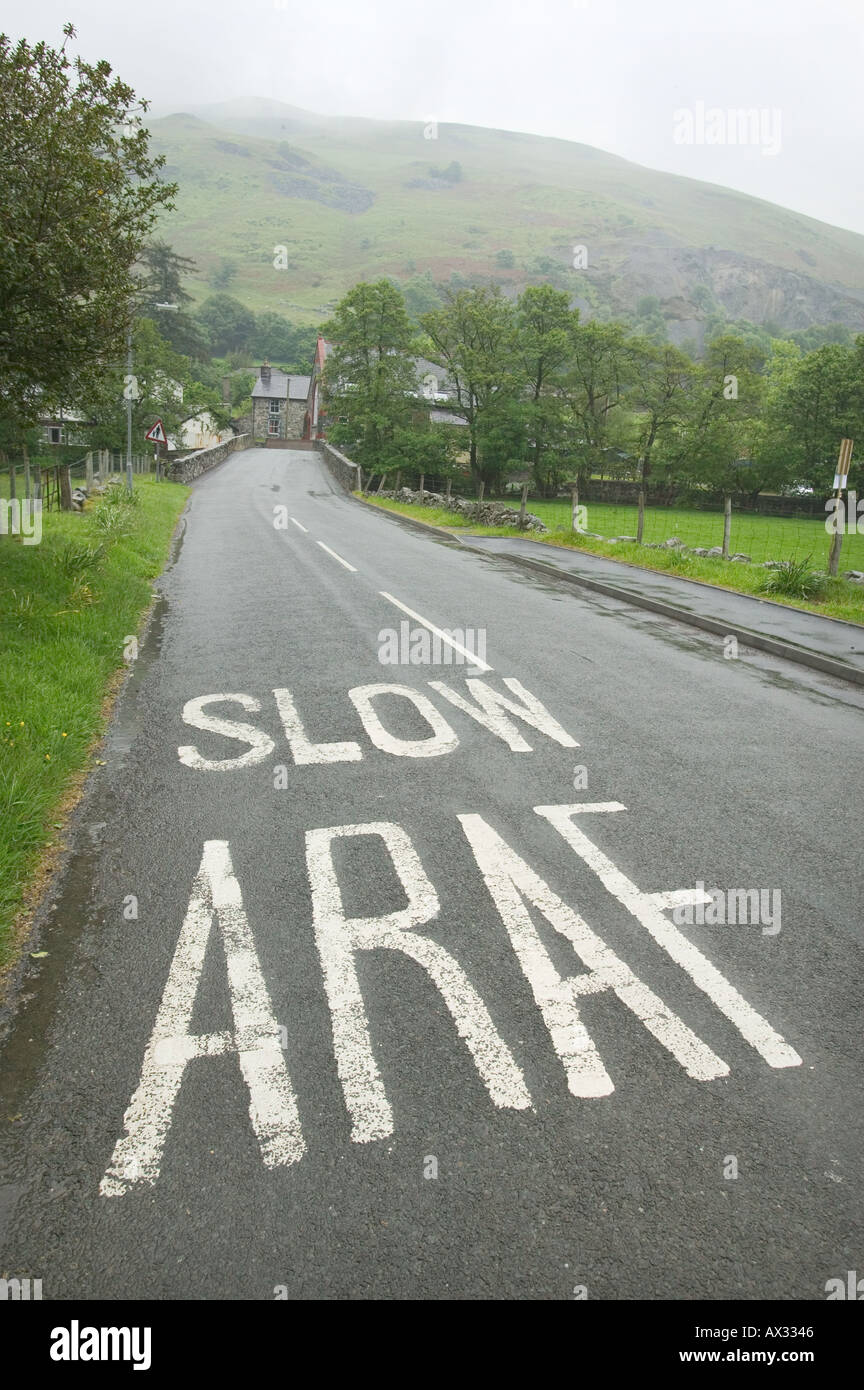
pixel 457 646
pixel 300 525
pixel 352 568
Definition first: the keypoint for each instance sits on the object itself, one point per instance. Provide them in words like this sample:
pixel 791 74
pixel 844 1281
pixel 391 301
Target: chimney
pixel 264 373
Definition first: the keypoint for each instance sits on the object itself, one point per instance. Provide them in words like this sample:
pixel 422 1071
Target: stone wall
pixel 187 469
pixel 482 513
pixel 295 419
pixel 343 470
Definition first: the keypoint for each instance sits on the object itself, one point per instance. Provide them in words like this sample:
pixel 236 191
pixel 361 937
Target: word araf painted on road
pixel 514 889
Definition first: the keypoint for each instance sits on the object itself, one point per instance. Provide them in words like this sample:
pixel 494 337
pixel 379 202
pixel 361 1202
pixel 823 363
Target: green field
pixel 66 607
pixel 760 537
pixel 841 598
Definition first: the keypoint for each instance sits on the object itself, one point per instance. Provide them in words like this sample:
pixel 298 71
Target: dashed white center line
pixel 299 525
pixel 352 568
pixel 445 636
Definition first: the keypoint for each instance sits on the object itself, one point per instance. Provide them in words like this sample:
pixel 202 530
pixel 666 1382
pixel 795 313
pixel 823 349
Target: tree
pixel 474 336
pixel 720 444
pixel 595 389
pixel 79 195
pixel 545 325
pixel 228 324
pixel 428 451
pixel 163 386
pixel 812 402
pixel 160 283
pixel 662 383
pixel 291 345
pixel 369 381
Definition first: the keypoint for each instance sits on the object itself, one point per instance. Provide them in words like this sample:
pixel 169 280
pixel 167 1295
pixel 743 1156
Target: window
pixel 273 424
pixel 275 407
pixel 56 434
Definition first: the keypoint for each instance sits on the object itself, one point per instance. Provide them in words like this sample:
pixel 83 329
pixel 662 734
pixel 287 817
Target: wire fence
pixel 34 478
pixel 758 536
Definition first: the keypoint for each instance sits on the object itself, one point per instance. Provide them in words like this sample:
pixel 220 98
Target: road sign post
pixel 156 434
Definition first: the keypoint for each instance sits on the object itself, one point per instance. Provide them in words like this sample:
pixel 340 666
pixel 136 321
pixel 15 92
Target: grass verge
pixel 840 597
pixel 66 607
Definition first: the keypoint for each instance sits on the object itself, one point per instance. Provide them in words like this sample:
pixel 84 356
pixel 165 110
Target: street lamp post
pixel 130 380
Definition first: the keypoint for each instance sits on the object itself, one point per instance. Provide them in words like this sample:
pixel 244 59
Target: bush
pixel 76 559
pixel 117 494
pixel 794 579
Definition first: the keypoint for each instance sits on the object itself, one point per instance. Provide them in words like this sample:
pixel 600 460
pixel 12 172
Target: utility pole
pixel 130 381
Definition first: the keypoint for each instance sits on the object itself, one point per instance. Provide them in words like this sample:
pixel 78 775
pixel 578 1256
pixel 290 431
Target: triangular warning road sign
pixel 157 434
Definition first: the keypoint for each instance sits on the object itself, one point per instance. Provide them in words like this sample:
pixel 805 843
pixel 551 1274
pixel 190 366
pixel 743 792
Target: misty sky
pixel 610 73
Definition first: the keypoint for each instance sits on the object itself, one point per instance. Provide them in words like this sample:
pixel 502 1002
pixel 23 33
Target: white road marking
pixel 530 711
pixel 510 881
pixel 299 525
pixel 261 745
pixel 338 939
pixel 679 897
pixel 303 751
pixel 352 568
pixel 443 739
pixel 272 1104
pixel 750 1024
pixel 445 637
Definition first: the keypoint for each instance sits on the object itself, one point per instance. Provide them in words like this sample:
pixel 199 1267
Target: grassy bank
pixel 841 599
pixel 66 606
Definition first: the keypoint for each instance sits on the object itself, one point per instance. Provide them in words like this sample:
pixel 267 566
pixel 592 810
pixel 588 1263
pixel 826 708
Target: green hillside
pixel 355 199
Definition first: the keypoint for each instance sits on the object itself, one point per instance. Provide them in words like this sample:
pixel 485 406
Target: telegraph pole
pixel 129 396
pixel 129 380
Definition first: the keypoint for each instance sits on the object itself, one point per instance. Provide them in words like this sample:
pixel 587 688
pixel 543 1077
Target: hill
pixel 353 199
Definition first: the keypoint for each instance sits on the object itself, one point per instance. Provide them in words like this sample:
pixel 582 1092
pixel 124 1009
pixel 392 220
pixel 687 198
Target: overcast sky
pixel 611 73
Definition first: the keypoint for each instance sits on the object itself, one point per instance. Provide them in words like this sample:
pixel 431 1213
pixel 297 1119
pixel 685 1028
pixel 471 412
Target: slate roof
pixel 446 417
pixel 424 368
pixel 281 386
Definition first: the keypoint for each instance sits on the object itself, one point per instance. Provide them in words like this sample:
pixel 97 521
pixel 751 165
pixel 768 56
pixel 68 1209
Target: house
pixel 198 432
pixel 64 427
pixel 279 404
pixel 313 425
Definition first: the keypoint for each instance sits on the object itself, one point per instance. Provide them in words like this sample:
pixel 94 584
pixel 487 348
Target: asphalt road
pixel 357 1065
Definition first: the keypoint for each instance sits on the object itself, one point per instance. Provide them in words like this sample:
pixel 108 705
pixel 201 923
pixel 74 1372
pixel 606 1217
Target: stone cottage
pixel 278 404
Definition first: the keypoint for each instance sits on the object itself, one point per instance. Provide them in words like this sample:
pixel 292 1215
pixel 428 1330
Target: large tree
pixel 474 336
pixel 370 379
pixel 79 195
pixel 661 397
pixel 545 325
pixel 812 402
pixel 162 272
pixel 596 390
pixel 228 325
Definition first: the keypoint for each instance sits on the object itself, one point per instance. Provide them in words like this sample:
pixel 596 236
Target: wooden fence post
pixel 727 524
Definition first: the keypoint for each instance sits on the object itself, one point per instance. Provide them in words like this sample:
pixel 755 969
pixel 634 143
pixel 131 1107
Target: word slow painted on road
pixel 515 890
